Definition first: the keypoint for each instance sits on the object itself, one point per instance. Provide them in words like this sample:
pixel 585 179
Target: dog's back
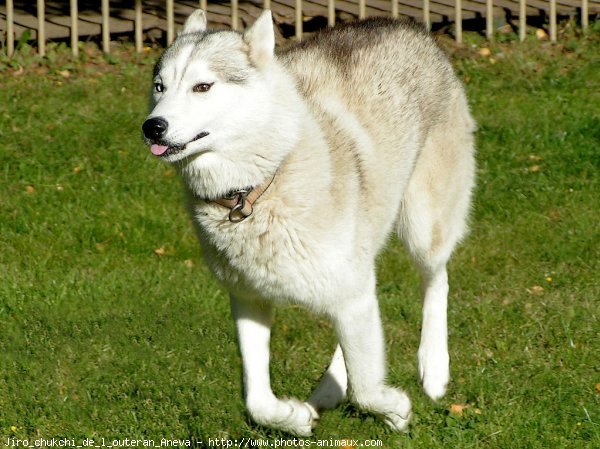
pixel 388 88
pixel 385 70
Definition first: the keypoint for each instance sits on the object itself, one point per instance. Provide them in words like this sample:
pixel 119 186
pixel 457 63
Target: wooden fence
pixel 449 8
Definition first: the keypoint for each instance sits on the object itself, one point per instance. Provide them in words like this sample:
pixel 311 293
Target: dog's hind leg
pixel 434 361
pixel 360 333
pixel 253 324
pixel 432 220
pixel 331 391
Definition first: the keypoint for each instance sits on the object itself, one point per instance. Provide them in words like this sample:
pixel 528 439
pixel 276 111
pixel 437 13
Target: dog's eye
pixel 159 87
pixel 202 87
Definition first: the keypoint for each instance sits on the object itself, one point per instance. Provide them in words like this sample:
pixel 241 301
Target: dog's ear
pixel 260 37
pixel 195 23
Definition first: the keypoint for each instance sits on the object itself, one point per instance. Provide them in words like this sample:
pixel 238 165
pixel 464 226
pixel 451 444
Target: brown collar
pixel 240 202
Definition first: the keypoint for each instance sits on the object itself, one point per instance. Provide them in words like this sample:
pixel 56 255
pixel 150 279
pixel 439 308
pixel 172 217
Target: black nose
pixel 155 128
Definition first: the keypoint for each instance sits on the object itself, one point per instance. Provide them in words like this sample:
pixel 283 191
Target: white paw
pixel 288 415
pixel 399 417
pixel 434 372
pixel 392 404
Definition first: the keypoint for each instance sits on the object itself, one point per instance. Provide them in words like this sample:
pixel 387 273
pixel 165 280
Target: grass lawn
pixel 111 326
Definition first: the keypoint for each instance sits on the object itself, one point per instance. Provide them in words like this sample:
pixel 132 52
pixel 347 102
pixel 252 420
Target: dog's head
pixel 209 90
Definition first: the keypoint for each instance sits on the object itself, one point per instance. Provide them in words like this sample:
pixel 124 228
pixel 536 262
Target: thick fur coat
pixel 367 131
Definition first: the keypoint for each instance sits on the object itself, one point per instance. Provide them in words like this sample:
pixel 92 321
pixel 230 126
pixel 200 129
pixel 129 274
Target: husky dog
pixel 298 166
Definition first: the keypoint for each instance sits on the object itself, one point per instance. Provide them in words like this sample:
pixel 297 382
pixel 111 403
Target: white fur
pixel 332 388
pixel 195 23
pixel 261 39
pixel 357 150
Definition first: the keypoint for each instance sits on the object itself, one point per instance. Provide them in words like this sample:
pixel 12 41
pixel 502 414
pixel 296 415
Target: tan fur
pixel 367 130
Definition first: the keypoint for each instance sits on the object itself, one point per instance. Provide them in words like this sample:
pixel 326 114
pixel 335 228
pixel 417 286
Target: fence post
pixel 584 15
pixel 204 5
pixel 489 19
pixel 362 9
pixel 41 13
pixel 522 19
pixel 331 12
pixel 426 17
pixel 10 33
pixel 74 28
pixel 299 19
pixel 170 22
pixel 105 27
pixel 138 26
pixel 234 14
pixel 267 4
pixel 458 20
pixel 553 20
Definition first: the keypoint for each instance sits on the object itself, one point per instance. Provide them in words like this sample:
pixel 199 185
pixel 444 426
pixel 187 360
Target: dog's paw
pixel 434 372
pixel 390 403
pixel 398 415
pixel 302 419
pixel 288 415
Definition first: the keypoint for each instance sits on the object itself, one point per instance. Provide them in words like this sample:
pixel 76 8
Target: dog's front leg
pixel 253 323
pixel 359 329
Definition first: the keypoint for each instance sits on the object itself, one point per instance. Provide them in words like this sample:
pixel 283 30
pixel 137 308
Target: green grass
pixel 100 336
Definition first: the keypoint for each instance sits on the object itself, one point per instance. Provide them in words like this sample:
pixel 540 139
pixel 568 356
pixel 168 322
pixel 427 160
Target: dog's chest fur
pixel 272 255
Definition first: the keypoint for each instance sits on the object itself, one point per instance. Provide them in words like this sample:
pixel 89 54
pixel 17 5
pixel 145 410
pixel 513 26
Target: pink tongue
pixel 158 150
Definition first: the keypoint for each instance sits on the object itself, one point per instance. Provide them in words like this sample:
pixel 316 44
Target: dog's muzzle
pixel 154 130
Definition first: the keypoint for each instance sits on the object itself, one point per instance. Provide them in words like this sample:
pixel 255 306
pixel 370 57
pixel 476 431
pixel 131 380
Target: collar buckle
pixel 240 202
pixel 238 212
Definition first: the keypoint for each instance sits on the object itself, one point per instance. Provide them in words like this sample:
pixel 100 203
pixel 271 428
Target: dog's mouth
pixel 160 150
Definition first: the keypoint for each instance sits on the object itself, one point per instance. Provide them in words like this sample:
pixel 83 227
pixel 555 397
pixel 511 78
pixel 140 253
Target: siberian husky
pixel 299 164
